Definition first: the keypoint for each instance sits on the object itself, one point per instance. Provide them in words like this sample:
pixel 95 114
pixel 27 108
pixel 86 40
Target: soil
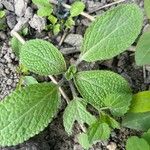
pixel 54 137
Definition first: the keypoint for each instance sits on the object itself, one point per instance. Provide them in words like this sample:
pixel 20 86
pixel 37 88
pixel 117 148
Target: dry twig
pixel 108 5
pixel 62 38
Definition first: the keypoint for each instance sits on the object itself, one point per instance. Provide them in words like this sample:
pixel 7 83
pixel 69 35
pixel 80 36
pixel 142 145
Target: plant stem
pixel 63 38
pixel 74 94
pixel 15 34
pixel 82 128
pixel 78 61
pixel 104 108
pixel 144 72
pixel 68 7
pixel 73 90
pixel 64 95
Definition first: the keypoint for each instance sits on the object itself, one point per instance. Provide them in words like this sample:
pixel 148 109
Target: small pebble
pixel 92 6
pixel 2 35
pixel 20 7
pixel 1 6
pixel 9 82
pixel 38 23
pixel 11 20
pixel 8 4
pixel 112 146
pixel 74 40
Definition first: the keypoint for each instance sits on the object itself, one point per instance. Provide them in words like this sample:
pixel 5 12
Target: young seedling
pixel 44 7
pixel 36 104
pixel 75 10
pixel 57 20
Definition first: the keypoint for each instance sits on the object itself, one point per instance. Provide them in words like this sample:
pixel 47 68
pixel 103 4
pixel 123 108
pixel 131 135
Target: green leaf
pixel 76 111
pixel 44 7
pixel 42 57
pixel 147 7
pixel 23 70
pixel 56 29
pixel 118 103
pixel 110 121
pixel 135 143
pixel 70 72
pixel 44 11
pixel 52 19
pixel 98 131
pixel 26 112
pixel 140 102
pixel 146 136
pixel 77 8
pixel 112 33
pixel 41 3
pixel 138 121
pixel 2 14
pixel 25 31
pixel 100 88
pixel 28 80
pixel 84 141
pixel 16 46
pixel 69 23
pixel 142 54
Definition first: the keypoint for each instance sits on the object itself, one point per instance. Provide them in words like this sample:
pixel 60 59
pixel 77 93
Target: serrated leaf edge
pixel 31 134
pixel 84 53
pixel 74 79
pixel 61 55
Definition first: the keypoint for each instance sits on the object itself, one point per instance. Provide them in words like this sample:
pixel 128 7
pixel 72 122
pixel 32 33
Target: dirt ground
pixel 54 137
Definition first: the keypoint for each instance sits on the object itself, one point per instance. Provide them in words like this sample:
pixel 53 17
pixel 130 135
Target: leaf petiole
pixel 104 108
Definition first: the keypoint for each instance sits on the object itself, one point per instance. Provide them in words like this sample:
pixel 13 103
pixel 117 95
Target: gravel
pixel 91 6
pixel 74 40
pixel 38 23
pixel 8 4
pixel 23 21
pixel 8 76
pixel 20 7
pixel 11 20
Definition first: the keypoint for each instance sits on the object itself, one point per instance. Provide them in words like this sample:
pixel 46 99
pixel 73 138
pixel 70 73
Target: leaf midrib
pixel 28 110
pixel 92 83
pixel 105 38
pixel 94 132
pixel 46 60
